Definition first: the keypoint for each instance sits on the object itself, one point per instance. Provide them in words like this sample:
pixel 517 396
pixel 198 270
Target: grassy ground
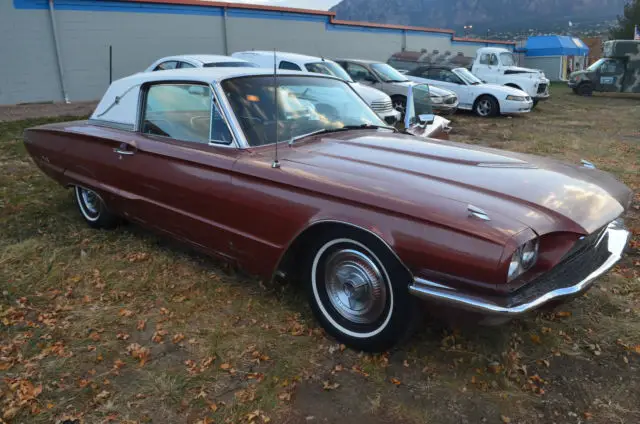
pixel 128 327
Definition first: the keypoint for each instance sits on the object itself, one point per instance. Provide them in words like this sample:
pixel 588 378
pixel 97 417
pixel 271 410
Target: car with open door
pixel 383 77
pixel 485 100
pixel 374 223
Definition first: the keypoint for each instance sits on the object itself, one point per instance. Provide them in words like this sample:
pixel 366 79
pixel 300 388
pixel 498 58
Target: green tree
pixel 626 23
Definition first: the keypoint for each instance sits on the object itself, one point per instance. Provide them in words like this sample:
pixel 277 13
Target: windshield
pixel 305 105
pixel 595 65
pixel 328 68
pixel 387 73
pixel 230 65
pixel 467 76
pixel 507 59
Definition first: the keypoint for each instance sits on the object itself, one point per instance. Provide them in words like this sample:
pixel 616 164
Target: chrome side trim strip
pixel 618 239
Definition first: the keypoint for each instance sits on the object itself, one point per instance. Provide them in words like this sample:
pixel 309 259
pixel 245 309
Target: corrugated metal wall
pixel 550 65
pixel 142 32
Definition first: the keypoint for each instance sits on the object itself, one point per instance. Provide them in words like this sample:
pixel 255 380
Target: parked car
pixel 491 64
pixel 367 218
pixel 617 72
pixel 379 101
pixel 484 99
pixel 383 77
pixel 198 61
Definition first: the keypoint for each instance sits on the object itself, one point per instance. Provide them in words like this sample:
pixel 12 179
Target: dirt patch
pixel 45 110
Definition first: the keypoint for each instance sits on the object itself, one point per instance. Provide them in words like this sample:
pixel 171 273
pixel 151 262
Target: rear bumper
pixel 537 293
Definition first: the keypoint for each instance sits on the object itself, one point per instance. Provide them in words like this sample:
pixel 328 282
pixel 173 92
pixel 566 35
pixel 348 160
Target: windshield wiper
pixel 345 128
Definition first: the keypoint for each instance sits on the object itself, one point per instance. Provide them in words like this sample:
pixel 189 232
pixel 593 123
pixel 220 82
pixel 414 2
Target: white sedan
pixel 484 99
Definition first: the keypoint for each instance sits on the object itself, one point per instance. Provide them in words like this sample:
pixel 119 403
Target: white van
pixel 377 100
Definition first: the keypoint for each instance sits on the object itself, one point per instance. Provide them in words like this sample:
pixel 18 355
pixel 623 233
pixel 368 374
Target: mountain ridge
pixel 494 15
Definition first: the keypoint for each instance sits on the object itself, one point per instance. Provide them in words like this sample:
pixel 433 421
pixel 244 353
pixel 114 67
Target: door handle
pixel 123 149
pixel 123 152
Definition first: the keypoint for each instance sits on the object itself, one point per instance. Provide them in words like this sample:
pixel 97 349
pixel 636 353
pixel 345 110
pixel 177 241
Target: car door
pixel 611 76
pixel 176 170
pixel 485 68
pixel 450 81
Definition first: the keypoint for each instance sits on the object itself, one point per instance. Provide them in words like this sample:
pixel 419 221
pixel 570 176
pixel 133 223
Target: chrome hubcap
pixel 484 107
pixel 90 201
pixel 355 286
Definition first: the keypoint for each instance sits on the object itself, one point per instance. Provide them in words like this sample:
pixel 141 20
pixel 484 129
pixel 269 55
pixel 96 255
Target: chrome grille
pixel 384 106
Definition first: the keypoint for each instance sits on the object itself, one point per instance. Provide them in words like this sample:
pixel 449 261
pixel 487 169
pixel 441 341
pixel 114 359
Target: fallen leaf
pixel 141 325
pixel 178 338
pixel 122 336
pixel 535 339
pixel 285 396
pixel 396 381
pixel 563 314
pixel 588 415
pixel 126 313
pixel 330 386
pixel 225 366
pixel 405 364
pixel 505 419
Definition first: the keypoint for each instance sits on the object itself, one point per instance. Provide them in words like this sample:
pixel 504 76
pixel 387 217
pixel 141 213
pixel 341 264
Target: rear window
pixel 230 65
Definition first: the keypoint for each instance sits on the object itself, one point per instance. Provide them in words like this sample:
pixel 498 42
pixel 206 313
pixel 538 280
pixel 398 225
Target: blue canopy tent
pixel 555 55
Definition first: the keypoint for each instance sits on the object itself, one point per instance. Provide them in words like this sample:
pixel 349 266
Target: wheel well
pixel 513 86
pixel 297 252
pixel 485 95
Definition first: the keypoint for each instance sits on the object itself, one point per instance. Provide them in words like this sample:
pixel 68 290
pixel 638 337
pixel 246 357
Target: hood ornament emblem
pixel 478 213
pixel 587 164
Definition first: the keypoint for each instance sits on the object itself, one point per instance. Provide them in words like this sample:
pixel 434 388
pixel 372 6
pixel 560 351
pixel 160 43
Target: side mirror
pixel 427 118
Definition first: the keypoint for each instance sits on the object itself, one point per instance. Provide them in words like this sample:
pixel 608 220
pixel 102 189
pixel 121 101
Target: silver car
pixel 387 79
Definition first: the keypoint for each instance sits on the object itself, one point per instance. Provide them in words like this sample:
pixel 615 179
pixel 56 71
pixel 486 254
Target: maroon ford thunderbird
pixel 304 180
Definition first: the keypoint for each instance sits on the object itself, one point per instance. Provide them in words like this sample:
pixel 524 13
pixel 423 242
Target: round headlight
pixel 515 266
pixel 529 253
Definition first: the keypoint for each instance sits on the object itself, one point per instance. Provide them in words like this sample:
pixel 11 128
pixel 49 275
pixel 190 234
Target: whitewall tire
pixel 93 209
pixel 358 291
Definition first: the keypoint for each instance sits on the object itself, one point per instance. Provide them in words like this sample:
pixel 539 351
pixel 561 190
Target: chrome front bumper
pixel 617 240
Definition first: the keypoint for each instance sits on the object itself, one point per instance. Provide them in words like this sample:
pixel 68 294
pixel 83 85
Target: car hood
pixel 369 94
pixel 428 177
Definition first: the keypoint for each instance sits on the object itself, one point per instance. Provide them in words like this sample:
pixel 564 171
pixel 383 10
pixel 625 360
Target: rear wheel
pixel 93 209
pixel 486 106
pixel 359 292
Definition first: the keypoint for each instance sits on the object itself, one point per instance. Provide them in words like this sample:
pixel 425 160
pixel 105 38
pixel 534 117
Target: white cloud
pixel 303 4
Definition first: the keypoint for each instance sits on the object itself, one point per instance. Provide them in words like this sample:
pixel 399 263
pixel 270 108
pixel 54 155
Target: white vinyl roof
pixel 292 57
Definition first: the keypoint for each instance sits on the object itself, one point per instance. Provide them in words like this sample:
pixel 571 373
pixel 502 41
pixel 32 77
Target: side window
pixel 185 65
pixel 448 76
pixel 183 112
pixel 435 74
pixel 166 65
pixel 289 66
pixel 359 72
pixel 609 67
pixel 484 59
pixel 493 60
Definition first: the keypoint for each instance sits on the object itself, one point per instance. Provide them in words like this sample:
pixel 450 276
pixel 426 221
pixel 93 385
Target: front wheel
pixel 486 106
pixel 400 104
pixel 93 209
pixel 359 292
pixel 585 89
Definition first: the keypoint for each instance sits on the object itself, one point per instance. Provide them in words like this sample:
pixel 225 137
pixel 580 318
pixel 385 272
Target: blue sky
pixel 304 4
